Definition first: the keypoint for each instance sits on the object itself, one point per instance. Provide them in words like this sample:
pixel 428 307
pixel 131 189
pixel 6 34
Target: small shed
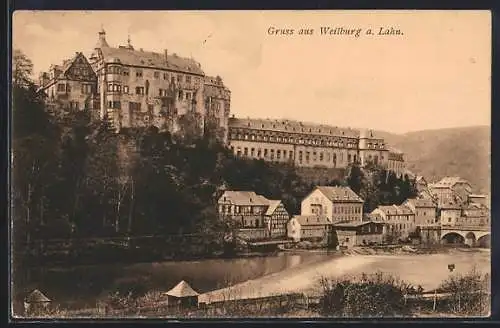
pixel 36 301
pixel 182 295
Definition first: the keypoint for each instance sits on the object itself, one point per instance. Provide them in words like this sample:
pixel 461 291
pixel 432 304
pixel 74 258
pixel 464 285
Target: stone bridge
pixel 469 235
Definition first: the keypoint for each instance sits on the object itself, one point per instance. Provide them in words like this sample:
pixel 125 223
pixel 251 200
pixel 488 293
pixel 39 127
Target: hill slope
pixel 463 152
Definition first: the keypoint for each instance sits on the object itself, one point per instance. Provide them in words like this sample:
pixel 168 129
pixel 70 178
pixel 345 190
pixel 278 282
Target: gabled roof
pixel 273 205
pixel 131 57
pixel 182 289
pixel 36 296
pixel 243 198
pixel 340 194
pixel 312 220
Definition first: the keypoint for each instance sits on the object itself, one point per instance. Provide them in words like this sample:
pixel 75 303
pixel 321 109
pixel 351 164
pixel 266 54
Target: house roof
pixel 293 126
pixel 354 224
pixel 340 194
pixel 420 178
pixel 36 296
pixel 395 210
pixel 421 202
pixel 477 196
pixel 132 57
pixel 448 182
pixel 243 198
pixel 273 205
pixel 62 69
pixel 182 289
pixel 310 220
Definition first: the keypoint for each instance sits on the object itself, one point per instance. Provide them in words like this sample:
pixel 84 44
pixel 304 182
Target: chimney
pixel 165 51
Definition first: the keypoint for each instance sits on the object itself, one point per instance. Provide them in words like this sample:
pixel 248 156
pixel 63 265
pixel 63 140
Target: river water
pixel 252 276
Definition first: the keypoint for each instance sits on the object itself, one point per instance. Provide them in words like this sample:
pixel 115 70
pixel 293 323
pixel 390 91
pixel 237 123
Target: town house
pixel 352 234
pixel 338 204
pixel 316 228
pixel 399 220
pixel 254 216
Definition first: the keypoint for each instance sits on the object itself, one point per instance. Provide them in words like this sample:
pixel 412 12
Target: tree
pixel 355 178
pixel 22 69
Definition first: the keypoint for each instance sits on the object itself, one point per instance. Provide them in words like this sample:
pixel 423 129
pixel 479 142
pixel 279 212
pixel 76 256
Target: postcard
pixel 251 164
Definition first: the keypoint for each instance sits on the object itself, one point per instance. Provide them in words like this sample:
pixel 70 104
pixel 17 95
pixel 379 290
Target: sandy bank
pixel 427 270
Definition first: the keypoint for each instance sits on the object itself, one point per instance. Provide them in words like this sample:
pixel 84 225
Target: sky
pixel 435 75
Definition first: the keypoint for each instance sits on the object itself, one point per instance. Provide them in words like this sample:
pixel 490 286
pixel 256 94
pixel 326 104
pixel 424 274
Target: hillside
pixel 463 152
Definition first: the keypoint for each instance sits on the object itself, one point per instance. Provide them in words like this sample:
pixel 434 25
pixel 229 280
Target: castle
pixel 136 88
pixel 310 145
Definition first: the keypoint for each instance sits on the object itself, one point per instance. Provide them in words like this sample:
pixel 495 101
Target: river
pixel 251 276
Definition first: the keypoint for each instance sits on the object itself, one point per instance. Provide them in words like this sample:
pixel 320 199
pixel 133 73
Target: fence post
pixel 435 301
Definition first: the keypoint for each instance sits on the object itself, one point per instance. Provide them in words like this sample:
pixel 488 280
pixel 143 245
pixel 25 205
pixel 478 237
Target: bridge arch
pixel 484 241
pixel 453 238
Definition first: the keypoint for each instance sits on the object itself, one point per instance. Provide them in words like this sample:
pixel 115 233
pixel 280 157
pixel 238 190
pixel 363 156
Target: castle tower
pixel 102 39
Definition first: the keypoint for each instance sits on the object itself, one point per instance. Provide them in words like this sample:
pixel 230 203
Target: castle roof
pixel 129 56
pixel 340 194
pixel 285 125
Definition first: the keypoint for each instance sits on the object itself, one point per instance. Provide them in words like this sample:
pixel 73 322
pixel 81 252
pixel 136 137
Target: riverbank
pixel 426 270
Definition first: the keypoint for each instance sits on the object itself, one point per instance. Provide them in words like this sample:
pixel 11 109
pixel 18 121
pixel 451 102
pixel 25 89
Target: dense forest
pixel 71 179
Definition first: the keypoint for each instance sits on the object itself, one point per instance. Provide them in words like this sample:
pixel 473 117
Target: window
pixel 86 88
pixel 156 75
pixel 125 72
pixel 321 157
pixel 165 76
pixel 139 90
pixel 272 154
pixel 245 151
pixel 265 152
pixel 188 79
pixel 180 95
pixel 278 154
pixel 179 78
pixel 259 153
pixel 290 154
pixel 68 88
pixel 114 70
pixel 125 89
pixel 61 87
pixel 163 92
pixel 114 104
pixel 138 73
pixel 252 152
pixel 133 106
pixel 188 95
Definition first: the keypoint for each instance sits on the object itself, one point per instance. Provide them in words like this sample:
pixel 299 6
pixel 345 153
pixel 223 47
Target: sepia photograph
pixel 328 164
